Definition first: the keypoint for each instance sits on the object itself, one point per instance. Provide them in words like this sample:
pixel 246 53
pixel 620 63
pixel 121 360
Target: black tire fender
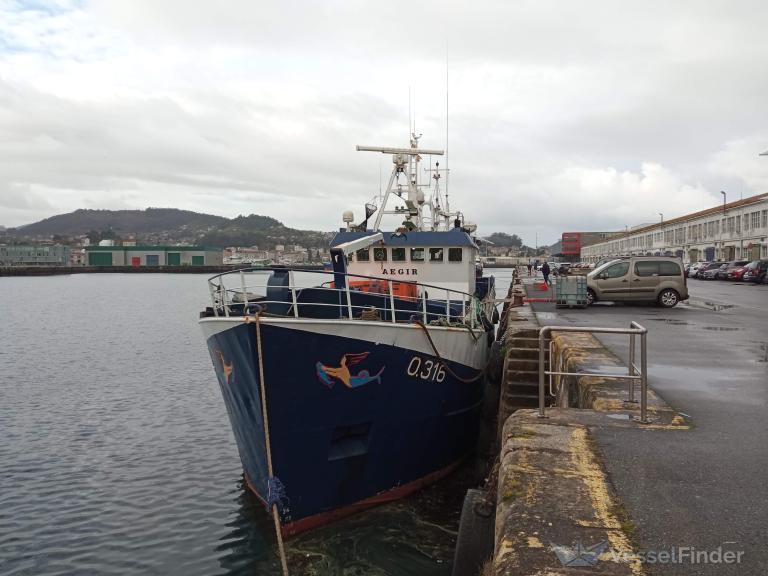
pixel 475 540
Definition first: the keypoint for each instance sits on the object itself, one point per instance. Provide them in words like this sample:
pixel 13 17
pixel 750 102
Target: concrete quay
pixel 554 498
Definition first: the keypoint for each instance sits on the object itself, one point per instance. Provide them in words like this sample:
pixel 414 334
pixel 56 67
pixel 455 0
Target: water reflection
pixel 413 536
pixel 248 547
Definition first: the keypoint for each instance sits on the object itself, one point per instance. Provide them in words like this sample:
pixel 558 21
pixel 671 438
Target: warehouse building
pixel 572 242
pixel 34 255
pixel 733 231
pixel 153 256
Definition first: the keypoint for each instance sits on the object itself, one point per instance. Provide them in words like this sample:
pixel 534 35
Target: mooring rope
pixel 275 488
pixel 421 325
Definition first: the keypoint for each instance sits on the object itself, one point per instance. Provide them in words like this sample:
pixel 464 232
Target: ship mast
pixel 406 162
pixel 441 217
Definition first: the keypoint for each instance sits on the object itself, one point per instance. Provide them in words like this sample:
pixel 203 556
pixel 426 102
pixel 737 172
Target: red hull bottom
pixel 312 522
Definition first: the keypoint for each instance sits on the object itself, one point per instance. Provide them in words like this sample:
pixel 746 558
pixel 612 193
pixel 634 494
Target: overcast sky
pixel 563 115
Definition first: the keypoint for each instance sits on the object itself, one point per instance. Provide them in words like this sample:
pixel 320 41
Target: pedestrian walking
pixel 545 273
pixel 530 268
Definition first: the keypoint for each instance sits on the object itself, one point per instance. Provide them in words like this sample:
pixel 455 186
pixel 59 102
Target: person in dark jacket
pixel 545 273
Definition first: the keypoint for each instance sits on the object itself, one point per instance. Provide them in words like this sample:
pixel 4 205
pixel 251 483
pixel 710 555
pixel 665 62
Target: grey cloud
pixel 559 113
pixel 63 144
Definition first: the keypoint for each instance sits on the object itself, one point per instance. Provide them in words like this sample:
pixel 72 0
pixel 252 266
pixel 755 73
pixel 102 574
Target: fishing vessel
pixel 357 385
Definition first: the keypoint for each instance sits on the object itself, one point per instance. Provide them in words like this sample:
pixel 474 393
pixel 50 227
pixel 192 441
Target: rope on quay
pixel 275 488
pixel 448 369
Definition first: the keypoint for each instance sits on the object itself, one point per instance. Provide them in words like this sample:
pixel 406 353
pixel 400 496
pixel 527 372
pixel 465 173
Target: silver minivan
pixel 639 279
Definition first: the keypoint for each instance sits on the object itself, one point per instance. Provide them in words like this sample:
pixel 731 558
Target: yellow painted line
pixel 586 463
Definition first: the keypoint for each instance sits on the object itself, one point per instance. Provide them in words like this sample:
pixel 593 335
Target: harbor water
pixel 117 456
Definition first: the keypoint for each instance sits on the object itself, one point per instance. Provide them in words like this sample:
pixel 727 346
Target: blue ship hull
pixel 352 421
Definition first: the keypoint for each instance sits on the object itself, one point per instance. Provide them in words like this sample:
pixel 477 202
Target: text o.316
pixel 428 370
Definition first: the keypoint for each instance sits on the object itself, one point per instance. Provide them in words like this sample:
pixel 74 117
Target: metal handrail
pixel 634 373
pixel 223 297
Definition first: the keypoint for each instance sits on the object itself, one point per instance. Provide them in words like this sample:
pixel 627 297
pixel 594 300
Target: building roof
pixel 453 237
pixel 682 219
pixel 151 248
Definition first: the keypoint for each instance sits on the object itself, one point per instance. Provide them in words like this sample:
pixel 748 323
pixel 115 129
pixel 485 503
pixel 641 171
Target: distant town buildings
pixel 240 255
pixel 285 255
pixel 78 257
pixel 489 250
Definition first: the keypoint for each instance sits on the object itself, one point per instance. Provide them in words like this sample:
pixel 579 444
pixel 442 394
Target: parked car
pixel 639 279
pixel 712 272
pixel 694 269
pixel 756 271
pixel 723 275
pixel 564 268
pixel 706 266
pixel 737 273
pixel 698 267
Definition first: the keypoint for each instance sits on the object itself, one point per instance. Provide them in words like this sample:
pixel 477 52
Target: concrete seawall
pixel 59 270
pixel 554 500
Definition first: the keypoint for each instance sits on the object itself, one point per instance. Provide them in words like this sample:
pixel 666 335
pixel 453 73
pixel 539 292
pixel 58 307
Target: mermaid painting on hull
pixel 328 374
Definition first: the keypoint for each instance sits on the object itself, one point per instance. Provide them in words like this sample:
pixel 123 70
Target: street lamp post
pixel 663 241
pixel 722 242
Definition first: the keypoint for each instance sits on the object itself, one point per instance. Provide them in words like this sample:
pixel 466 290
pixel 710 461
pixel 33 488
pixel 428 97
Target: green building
pixel 153 256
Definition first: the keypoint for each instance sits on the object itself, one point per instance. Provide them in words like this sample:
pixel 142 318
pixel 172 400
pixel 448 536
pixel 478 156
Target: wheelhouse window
pixel 398 254
pixel 436 254
pixel 454 254
pixel 380 254
pixel 417 254
pixel 363 255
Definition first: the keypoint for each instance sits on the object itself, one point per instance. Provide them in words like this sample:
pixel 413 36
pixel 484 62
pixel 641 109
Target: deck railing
pixel 360 298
